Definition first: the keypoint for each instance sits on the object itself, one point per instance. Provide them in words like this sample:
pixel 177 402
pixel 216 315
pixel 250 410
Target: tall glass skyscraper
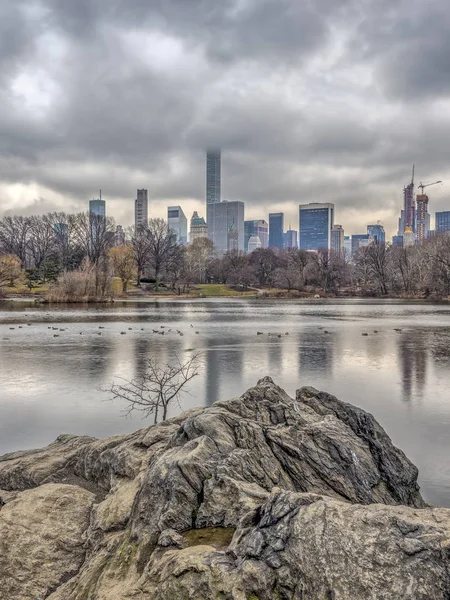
pixel 377 233
pixel 177 223
pixel 212 176
pixel 258 228
pixel 97 207
pixel 442 221
pixel 276 230
pixel 315 223
pixel 226 225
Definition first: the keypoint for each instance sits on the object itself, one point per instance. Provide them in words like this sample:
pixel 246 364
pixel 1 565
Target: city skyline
pixel 304 103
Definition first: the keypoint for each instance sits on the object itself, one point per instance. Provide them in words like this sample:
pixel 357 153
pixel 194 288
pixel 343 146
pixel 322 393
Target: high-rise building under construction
pixel 409 206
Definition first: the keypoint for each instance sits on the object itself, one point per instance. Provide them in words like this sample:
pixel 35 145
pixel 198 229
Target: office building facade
pixel 409 207
pixel 316 221
pixel 119 236
pixel 258 227
pixel 359 240
pixel 97 207
pixel 254 243
pixel 141 209
pixel 347 246
pixel 422 218
pixel 290 239
pixel 337 239
pixel 276 230
pixel 213 167
pixel 199 228
pixel 177 222
pixel 376 233
pixel 226 225
pixel 442 221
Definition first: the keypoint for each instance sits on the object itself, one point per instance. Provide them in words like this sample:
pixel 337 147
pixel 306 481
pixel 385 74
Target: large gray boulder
pixel 259 497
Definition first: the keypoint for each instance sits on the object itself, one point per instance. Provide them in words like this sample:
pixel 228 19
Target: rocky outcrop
pixel 261 497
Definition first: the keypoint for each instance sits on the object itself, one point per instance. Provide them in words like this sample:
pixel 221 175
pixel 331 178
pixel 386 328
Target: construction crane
pixel 427 184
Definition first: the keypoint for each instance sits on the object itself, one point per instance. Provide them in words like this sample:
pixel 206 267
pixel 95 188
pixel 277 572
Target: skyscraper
pixel 254 243
pixel 290 239
pixel 347 246
pixel 119 236
pixel 408 237
pixel 337 239
pixel 177 223
pixel 141 209
pixel 258 227
pixel 442 222
pixel 409 206
pixel 422 218
pixel 213 176
pixel 359 240
pixel 376 233
pixel 225 222
pixel 97 207
pixel 276 230
pixel 315 222
pixel 199 228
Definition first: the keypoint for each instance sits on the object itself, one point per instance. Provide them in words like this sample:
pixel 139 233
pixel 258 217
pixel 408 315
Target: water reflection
pixel 413 348
pixel 51 385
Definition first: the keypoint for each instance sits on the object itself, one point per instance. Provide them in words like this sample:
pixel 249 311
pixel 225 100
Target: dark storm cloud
pixel 309 101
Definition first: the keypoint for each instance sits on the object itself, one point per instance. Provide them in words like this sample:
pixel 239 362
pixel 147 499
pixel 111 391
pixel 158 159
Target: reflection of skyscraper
pixel 222 362
pixel 412 352
pixel 315 354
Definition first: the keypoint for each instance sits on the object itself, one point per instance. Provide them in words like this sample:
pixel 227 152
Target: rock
pixel 41 540
pixel 261 497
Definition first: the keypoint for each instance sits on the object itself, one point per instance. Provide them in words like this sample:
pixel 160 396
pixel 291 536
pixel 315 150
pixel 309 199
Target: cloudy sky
pixel 313 100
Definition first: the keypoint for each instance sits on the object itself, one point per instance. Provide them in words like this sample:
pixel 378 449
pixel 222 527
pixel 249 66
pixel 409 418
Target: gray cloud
pixel 319 101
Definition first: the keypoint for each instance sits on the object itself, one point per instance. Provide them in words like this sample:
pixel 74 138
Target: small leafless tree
pixel 158 388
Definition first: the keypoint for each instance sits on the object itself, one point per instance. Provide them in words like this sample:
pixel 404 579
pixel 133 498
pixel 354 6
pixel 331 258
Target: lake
pixel 51 385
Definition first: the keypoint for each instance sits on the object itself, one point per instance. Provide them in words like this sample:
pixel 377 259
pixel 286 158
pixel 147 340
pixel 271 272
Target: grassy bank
pixel 219 290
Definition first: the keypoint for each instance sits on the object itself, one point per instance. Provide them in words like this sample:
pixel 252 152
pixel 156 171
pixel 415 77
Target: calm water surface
pixel 51 385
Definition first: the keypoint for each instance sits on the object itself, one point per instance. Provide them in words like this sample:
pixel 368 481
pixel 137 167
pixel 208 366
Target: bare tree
pixel 140 243
pixel 163 247
pixel 14 233
pixel 265 262
pixel 95 234
pixel 9 269
pixel 123 264
pixel 41 240
pixel 199 256
pixel 158 388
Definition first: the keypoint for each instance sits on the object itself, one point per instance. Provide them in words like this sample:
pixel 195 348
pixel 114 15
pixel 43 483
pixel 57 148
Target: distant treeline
pixel 50 247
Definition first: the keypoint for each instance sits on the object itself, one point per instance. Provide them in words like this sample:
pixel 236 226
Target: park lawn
pixel 21 288
pixel 219 289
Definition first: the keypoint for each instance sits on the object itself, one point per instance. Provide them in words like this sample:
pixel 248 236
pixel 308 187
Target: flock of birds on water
pixel 163 330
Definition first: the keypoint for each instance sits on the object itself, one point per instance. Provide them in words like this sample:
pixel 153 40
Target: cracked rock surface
pixel 261 497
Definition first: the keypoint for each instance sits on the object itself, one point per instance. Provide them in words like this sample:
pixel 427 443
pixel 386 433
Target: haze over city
pixel 324 103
